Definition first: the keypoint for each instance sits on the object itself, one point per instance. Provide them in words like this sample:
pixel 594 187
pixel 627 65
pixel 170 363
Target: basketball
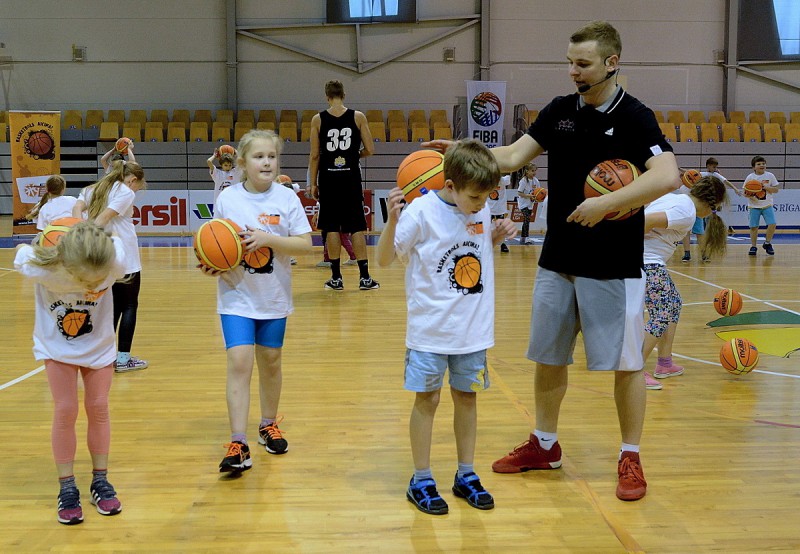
pixel 690 177
pixel 539 194
pixel 738 356
pixel 467 272
pixel 122 145
pixel 607 177
pixel 728 302
pixel 218 245
pixel 258 258
pixel 40 143
pixel 420 172
pixel 752 188
pixel 72 323
pixel 226 149
pixel 57 228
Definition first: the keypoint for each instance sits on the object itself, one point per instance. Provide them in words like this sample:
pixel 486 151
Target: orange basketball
pixel 467 272
pixel 607 177
pixel 752 188
pixel 420 172
pixel 218 245
pixel 728 302
pixel 226 149
pixel 539 194
pixel 57 228
pixel 122 145
pixel 738 356
pixel 72 322
pixel 258 258
pixel 690 177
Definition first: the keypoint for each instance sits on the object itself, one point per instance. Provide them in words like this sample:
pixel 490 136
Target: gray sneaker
pixel 131 365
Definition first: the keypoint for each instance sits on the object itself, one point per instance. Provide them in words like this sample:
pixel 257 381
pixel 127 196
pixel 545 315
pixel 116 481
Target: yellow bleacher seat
pixel 72 119
pixel 220 133
pixel 709 132
pixel 159 116
pixel 442 132
pixel 225 115
pixel 669 132
pixel 94 118
pixel 736 117
pixel 751 132
pixel 109 130
pixel 198 131
pixel 223 123
pixel 374 115
pixel 420 131
pixel 396 116
pixel 176 131
pixel 777 117
pixel 398 132
pixel 240 128
pixel 730 132
pixel 202 116
pixel 437 116
pixel 687 132
pixel 132 130
pixel 417 116
pixel 3 116
pixel 697 117
pixel 137 116
pixel 182 116
pixel 675 117
pixel 378 131
pixel 246 115
pixel 288 116
pixel 794 117
pixel 153 131
pixel 287 130
pixel 792 132
pixel 758 116
pixel 305 131
pixel 307 115
pixel 118 116
pixel 659 116
pixel 266 125
pixel 717 117
pixel 3 131
pixel 267 115
pixel 530 116
pixel 772 132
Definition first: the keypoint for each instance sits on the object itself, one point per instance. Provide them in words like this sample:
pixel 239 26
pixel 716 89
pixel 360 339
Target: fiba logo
pixel 485 109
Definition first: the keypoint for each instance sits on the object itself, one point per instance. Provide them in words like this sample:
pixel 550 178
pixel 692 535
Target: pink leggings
pixel 63 379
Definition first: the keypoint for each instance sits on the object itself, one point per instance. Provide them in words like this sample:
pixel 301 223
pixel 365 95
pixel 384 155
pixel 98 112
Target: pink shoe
pixel 650 383
pixel 662 372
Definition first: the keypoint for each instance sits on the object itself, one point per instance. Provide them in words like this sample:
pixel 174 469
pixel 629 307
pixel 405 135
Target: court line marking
pixel 623 535
pixel 22 377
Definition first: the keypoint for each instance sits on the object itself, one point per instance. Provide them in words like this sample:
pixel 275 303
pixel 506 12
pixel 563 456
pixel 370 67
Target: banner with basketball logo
pixel 485 102
pixel 35 156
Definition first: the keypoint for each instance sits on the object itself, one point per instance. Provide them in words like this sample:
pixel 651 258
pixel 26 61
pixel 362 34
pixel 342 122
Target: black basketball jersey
pixel 339 146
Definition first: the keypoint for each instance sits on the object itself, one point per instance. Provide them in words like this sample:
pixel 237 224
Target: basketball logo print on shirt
pixel 74 323
pixel 258 261
pixel 465 275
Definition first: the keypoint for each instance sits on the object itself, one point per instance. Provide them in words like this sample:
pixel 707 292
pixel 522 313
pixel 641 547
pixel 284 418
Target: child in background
pixel 108 159
pixel 666 219
pixel 109 203
pixel 74 334
pixel 254 303
pixel 525 200
pixel 226 174
pixel 760 205
pixel 498 207
pixel 447 239
pixel 54 204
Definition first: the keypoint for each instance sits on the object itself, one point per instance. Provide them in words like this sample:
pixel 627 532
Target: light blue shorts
pixel 240 331
pixel 425 371
pixel 757 213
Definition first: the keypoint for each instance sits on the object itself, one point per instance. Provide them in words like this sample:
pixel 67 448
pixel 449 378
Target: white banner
pixel 486 102
pixel 161 211
pixel 786 204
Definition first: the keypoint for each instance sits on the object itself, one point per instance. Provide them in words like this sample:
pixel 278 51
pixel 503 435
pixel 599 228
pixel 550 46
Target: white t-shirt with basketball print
pixel 264 293
pixel 55 208
pixel 120 199
pixel 224 179
pixel 767 179
pixel 659 244
pixel 526 186
pixel 72 325
pixel 497 200
pixel 449 276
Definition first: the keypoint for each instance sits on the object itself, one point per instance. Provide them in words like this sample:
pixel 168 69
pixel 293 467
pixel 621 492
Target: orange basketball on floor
pixel 752 188
pixel 57 228
pixel 728 302
pixel 226 149
pixel 539 194
pixel 420 172
pixel 607 177
pixel 258 258
pixel 690 177
pixel 218 245
pixel 122 145
pixel 738 356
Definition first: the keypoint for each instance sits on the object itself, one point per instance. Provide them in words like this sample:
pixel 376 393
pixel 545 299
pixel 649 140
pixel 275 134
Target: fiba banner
pixel 485 102
pixel 35 156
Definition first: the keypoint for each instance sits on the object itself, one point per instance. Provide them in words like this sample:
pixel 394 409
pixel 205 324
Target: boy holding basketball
pixel 760 204
pixel 446 238
pixel 590 276
pixel 226 174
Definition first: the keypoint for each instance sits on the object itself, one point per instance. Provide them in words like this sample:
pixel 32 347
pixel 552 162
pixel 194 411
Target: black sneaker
pixel 469 488
pixel 69 507
pixel 686 257
pixel 426 498
pixel 237 459
pixel 272 439
pixel 503 247
pixel 769 249
pixel 104 498
pixel 368 284
pixel 334 284
pixel 753 251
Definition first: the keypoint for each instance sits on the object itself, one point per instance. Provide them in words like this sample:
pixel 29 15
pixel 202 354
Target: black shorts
pixel 341 213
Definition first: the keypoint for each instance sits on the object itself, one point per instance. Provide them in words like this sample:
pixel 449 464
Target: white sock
pixel 546 440
pixel 628 448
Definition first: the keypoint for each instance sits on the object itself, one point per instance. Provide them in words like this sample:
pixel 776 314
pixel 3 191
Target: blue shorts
pixel 699 226
pixel 425 371
pixel 240 331
pixel 767 213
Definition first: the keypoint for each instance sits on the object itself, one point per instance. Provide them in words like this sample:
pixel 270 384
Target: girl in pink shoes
pixel 74 334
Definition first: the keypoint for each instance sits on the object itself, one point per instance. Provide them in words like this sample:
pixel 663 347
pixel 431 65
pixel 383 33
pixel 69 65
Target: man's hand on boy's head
pixel 439 144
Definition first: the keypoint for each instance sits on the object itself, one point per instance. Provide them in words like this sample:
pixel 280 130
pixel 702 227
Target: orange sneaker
pixel 529 455
pixel 632 485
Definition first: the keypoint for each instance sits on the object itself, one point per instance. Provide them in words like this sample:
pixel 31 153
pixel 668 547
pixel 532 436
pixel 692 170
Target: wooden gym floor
pixel 719 452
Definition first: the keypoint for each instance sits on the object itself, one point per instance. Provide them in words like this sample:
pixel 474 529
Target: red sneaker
pixel 529 455
pixel 632 485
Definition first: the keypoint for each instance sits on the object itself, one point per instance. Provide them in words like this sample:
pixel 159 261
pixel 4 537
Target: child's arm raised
pixel 385 249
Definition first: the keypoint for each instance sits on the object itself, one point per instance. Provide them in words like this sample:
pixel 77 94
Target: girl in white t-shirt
pixel 667 220
pixel 74 334
pixel 54 204
pixel 254 303
pixel 525 199
pixel 109 203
